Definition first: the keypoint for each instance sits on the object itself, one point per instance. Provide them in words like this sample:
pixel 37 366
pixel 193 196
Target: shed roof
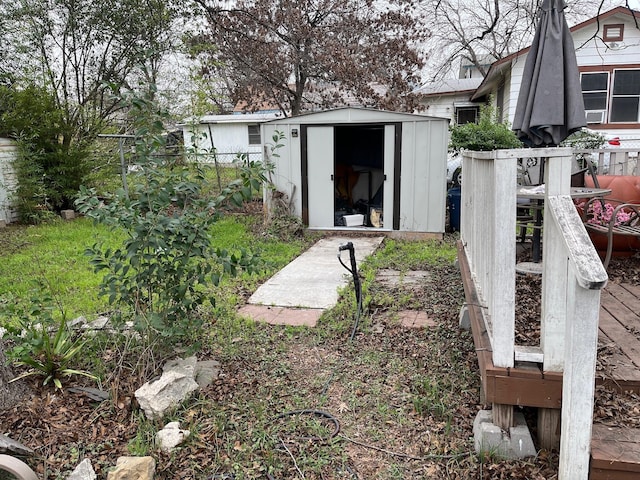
pixel 355 115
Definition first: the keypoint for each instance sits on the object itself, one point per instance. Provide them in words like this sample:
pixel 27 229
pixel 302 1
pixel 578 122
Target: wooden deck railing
pixel 612 161
pixel 572 278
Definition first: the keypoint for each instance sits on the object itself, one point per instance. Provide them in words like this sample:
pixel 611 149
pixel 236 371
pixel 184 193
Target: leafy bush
pixel 51 165
pixel 486 135
pixel 160 272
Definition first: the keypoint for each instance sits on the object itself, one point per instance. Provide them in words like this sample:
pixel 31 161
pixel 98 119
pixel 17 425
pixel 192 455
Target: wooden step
pixel 615 453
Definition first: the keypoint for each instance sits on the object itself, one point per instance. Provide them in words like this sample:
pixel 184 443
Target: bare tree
pixel 479 32
pixel 85 51
pixel 300 55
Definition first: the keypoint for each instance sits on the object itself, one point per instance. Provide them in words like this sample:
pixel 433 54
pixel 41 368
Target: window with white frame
pixel 254 135
pixel 612 96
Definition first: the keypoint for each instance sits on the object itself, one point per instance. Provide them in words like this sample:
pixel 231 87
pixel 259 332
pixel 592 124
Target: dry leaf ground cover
pixel 612 408
pixel 404 398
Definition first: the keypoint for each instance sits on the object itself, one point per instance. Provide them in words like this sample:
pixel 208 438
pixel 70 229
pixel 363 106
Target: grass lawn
pixel 53 255
pixel 404 398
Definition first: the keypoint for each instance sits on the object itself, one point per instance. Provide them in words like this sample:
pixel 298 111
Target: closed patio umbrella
pixel 550 105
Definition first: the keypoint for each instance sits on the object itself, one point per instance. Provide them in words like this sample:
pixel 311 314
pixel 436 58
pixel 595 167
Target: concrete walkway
pixel 301 291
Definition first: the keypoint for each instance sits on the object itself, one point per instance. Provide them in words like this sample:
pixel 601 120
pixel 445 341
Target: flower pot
pixel 623 245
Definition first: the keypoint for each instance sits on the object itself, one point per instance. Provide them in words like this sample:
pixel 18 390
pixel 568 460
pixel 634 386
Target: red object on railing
pixel 615 141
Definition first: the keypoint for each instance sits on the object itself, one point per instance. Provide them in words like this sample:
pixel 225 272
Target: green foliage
pixel 160 271
pixel 486 135
pixel 45 345
pixel 428 399
pixel 50 165
pixel 584 138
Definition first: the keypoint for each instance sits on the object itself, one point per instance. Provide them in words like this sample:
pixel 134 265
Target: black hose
pixel 320 413
pixel 356 282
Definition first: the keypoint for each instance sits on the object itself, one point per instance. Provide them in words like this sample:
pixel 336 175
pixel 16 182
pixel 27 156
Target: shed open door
pixel 320 142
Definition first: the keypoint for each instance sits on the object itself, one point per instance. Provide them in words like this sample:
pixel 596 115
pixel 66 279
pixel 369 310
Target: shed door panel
pixel 388 196
pixel 320 176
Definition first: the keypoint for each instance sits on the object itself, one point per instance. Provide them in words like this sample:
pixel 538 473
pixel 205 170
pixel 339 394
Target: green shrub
pixel 51 165
pixel 160 272
pixel 486 135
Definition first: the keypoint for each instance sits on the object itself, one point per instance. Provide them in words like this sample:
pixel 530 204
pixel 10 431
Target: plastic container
pixel 453 198
pixel 354 220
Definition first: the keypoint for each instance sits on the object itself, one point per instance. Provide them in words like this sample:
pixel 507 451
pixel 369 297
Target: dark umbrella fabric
pixel 550 105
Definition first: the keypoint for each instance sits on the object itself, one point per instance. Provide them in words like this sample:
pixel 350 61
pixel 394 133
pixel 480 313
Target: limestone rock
pixel 67 214
pixel 171 436
pixel 206 372
pixel 84 471
pixel 173 387
pixel 133 468
pixel 100 323
pixel 186 366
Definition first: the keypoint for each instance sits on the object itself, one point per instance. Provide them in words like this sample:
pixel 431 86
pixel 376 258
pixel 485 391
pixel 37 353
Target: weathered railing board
pixel 612 161
pixel 578 386
pixel 487 233
pixel 572 277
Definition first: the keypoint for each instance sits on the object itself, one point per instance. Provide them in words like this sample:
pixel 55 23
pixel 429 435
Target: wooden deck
pixel 615 452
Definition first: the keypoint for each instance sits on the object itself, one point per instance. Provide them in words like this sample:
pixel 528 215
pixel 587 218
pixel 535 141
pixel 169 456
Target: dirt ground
pixel 405 399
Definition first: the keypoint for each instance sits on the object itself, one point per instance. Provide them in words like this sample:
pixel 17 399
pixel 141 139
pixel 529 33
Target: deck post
pixel 502 416
pixel 586 276
pixel 503 268
pixel 555 272
pixel 579 383
pixel 549 428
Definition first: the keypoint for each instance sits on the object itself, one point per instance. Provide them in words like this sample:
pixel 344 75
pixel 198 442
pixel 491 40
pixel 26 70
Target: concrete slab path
pixel 309 282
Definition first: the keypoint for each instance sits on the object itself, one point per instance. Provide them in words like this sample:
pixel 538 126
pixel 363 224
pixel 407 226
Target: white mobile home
pixel 356 167
pixel 226 136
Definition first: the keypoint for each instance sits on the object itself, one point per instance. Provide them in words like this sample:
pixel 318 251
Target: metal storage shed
pixel 362 168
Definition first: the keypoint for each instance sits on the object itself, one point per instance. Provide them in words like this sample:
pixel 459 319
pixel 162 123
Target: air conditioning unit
pixel 615 45
pixel 595 116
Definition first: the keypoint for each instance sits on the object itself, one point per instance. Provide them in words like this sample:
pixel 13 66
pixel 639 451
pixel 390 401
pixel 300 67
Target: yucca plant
pixel 45 345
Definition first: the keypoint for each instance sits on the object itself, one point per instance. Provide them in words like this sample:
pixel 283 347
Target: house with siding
pixel 223 137
pixel 608 55
pixel 451 99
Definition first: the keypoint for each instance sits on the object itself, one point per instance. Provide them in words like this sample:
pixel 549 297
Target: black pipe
pixel 356 281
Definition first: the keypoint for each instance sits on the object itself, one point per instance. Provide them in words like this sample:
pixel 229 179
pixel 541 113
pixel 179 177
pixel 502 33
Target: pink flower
pixel 600 213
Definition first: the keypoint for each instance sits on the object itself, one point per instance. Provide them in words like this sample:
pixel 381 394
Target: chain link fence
pixel 114 157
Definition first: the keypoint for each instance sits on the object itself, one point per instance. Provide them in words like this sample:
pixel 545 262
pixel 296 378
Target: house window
pixel 613 33
pixel 625 98
pixel 612 97
pixel 466 115
pixel 254 135
pixel 594 94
